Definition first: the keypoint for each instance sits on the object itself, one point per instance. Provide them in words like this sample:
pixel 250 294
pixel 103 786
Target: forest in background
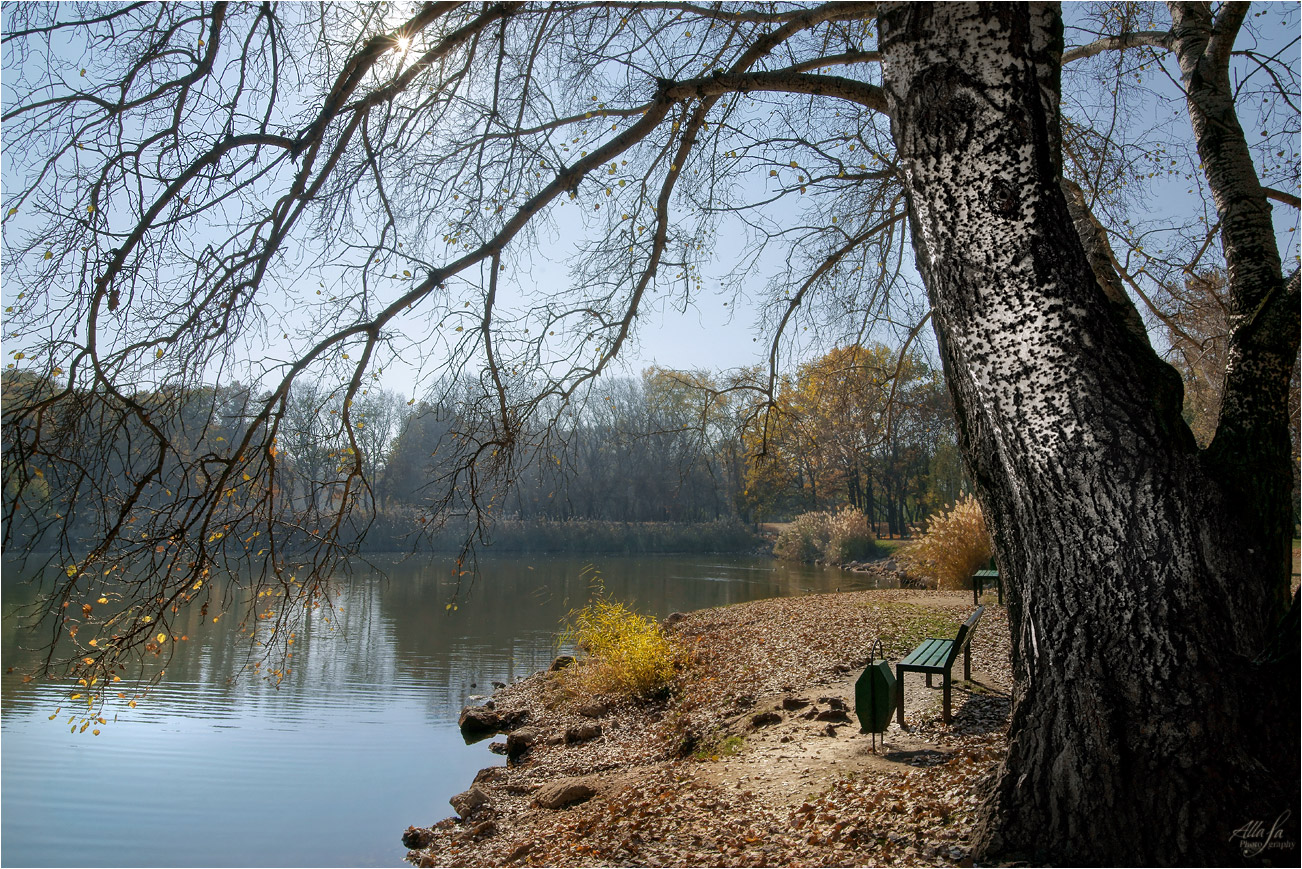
pixel 702 456
pixel 859 426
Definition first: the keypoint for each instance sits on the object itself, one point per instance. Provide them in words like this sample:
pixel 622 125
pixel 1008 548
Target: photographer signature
pixel 1254 837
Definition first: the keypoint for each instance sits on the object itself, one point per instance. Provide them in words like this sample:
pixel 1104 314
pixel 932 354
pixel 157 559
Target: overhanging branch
pixel 1152 38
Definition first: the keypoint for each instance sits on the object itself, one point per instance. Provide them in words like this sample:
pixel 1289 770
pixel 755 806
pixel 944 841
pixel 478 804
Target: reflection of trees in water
pixel 389 632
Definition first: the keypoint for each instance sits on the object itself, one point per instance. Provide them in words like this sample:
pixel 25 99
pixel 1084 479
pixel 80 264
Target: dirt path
pixel 791 762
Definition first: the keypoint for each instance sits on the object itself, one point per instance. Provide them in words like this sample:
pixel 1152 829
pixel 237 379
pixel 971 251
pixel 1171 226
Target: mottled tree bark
pixel 1155 711
pixel 1250 453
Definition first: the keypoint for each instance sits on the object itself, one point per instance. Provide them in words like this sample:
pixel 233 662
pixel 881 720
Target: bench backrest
pixel 964 635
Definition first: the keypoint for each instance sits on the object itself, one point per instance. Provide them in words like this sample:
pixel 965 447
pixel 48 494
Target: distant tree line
pixel 858 426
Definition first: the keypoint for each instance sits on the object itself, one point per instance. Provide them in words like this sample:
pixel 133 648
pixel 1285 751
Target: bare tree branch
pixel 1152 38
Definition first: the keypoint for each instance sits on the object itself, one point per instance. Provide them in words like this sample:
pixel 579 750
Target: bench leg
pixel 967 663
pixel 899 698
pixel 948 717
pixel 929 685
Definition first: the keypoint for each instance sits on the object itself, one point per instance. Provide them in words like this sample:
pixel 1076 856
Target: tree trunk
pixel 853 495
pixel 1155 704
pixel 870 503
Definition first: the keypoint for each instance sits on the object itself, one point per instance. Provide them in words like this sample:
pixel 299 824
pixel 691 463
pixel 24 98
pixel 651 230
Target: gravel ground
pixel 754 759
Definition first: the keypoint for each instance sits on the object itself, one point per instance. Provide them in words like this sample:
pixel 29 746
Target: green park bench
pixel 980 578
pixel 936 657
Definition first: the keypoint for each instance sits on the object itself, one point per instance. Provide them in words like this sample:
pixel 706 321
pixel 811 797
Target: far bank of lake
pixel 360 739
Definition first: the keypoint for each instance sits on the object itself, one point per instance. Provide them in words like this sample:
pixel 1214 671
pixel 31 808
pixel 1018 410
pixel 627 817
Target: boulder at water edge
pixel 478 722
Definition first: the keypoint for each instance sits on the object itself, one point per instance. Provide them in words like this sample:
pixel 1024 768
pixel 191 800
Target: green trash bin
pixel 874 694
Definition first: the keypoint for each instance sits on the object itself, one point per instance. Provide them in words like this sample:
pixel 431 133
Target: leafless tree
pixel 336 189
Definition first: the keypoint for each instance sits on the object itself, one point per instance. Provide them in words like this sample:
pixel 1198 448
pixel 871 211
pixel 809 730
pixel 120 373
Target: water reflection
pixel 218 766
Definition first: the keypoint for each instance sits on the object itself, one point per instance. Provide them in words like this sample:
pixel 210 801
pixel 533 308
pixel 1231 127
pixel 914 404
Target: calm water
pixel 360 741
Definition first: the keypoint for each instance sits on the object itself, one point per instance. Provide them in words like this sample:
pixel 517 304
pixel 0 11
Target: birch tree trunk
pixel 1155 704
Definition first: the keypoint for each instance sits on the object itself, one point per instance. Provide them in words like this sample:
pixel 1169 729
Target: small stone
pixel 763 719
pixel 561 662
pixel 791 704
pixel 521 740
pixel 520 789
pixel 674 618
pixel 477 722
pixel 483 828
pixel 514 719
pixel 490 772
pixel 835 703
pixel 520 850
pixel 565 792
pixel 592 710
pixel 840 716
pixel 498 685
pixel 497 747
pixel 582 733
pixel 469 803
pixel 417 837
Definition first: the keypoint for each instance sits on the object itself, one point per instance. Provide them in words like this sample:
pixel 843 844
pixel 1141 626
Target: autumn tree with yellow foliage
pixel 862 426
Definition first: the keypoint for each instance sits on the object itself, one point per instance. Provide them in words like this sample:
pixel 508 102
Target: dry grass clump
pixel 802 540
pixel 848 537
pixel 833 537
pixel 955 546
pixel 625 653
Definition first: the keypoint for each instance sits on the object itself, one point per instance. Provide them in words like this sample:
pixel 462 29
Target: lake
pixel 359 741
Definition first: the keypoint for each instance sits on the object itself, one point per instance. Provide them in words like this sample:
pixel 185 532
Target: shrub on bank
pixel 623 652
pixel 954 547
pixel 803 538
pixel 848 537
pixel 832 537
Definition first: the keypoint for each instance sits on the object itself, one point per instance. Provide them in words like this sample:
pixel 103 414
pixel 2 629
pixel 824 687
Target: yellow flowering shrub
pixel 622 652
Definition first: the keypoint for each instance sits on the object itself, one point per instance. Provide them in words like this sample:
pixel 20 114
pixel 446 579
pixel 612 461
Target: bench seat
pixel 929 657
pixel 936 656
